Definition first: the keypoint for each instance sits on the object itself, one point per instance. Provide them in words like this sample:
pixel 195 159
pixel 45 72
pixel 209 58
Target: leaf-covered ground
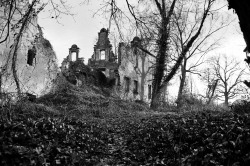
pixel 169 140
pixel 122 137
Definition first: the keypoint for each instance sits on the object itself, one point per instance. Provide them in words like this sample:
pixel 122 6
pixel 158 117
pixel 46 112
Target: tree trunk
pixel 158 82
pixel 213 90
pixel 14 71
pixel 186 49
pixel 161 55
pixel 226 95
pixel 226 99
pixel 182 83
pixel 0 83
pixel 155 101
pixel 211 97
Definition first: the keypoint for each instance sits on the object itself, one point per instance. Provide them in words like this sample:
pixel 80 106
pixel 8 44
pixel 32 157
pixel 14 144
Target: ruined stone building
pixel 129 73
pixel 36 62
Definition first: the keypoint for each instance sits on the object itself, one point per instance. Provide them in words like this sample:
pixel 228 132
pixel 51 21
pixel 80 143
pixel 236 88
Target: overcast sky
pixel 83 30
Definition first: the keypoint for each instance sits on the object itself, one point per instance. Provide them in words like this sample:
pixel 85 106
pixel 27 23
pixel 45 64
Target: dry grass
pixel 91 102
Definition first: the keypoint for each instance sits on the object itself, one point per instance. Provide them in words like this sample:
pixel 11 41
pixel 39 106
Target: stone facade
pixel 131 69
pixel 103 57
pixel 77 73
pixel 36 61
pixel 129 73
pixel 135 72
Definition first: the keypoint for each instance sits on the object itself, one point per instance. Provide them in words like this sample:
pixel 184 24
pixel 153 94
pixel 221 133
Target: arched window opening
pixel 135 91
pixel 149 91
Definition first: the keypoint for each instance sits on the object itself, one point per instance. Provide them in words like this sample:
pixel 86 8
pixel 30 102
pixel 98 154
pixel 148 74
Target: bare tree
pixel 229 73
pixel 203 44
pixel 162 14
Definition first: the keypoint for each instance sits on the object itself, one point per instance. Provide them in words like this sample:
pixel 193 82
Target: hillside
pixel 85 126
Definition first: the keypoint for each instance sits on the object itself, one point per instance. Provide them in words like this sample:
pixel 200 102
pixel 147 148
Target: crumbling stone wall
pixel 130 76
pixel 36 60
pixel 77 73
pixel 135 68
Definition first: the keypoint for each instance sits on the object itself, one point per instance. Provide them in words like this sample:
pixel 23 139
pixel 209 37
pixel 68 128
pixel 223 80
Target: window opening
pixel 31 55
pixel 117 81
pixel 135 86
pixel 103 55
pixel 73 56
pixel 149 91
pixel 126 79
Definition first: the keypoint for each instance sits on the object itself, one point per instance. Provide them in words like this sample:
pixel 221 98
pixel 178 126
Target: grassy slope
pixel 82 126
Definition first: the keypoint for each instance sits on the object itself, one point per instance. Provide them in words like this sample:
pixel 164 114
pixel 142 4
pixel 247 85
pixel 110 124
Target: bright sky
pixel 83 30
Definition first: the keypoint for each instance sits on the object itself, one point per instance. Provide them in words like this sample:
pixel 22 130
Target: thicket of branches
pixel 177 30
pixel 229 73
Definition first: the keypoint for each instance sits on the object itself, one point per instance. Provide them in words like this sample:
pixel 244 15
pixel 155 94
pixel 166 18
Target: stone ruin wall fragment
pixel 35 78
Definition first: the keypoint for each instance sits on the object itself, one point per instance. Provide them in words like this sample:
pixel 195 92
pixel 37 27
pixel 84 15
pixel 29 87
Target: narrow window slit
pixel 31 56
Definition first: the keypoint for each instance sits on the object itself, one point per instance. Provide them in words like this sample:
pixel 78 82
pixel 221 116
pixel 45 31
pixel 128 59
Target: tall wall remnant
pixel 36 62
pixel 77 73
pixel 103 57
pixel 103 48
pixel 135 71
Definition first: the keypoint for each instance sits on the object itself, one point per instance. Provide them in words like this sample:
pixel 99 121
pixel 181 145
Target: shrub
pixel 241 106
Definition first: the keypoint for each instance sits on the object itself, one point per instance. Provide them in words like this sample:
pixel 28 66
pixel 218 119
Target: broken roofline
pixel 141 48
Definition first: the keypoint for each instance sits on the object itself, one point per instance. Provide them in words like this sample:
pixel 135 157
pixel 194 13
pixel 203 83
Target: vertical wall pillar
pixel 103 44
pixel 77 54
pixel 120 52
pixel 70 56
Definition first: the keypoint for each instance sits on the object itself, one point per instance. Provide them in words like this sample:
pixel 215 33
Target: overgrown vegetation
pixel 81 126
pixel 241 107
